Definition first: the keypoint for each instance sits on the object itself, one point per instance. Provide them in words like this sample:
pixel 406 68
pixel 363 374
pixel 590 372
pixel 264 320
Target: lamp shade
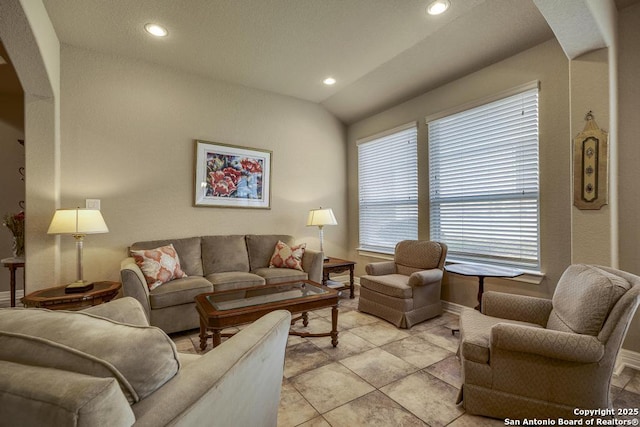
pixel 77 221
pixel 320 217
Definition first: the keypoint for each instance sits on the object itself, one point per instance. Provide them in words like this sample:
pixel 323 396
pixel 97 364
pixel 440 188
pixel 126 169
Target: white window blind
pixel 483 190
pixel 388 189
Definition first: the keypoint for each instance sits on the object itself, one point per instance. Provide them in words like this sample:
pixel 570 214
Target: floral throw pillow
pixel 285 256
pixel 158 265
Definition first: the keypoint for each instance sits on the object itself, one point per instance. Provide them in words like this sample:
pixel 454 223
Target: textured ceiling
pixel 380 51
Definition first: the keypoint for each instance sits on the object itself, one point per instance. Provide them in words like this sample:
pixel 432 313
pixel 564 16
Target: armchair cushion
pixel 98 347
pixel 414 255
pixel 476 342
pixel 393 285
pixel 583 299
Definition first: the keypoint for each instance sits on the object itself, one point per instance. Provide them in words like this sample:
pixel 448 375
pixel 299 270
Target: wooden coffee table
pixel 225 309
pixel 56 299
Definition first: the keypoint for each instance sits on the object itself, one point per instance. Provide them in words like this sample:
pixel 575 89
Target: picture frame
pixel 231 176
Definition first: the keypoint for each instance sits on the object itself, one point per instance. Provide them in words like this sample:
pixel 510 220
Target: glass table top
pixel 266 295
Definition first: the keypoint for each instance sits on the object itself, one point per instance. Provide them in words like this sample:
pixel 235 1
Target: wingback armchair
pixel 532 357
pixel 405 291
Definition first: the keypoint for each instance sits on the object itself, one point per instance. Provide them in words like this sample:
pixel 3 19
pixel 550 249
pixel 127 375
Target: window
pixel 483 190
pixel 388 189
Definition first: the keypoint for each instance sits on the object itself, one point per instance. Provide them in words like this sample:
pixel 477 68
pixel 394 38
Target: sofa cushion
pixel 179 291
pixel 188 250
pixel 90 345
pixel 37 396
pixel 583 299
pixel 159 265
pixel 222 254
pixel 260 248
pixel 234 280
pixel 280 275
pixel 285 256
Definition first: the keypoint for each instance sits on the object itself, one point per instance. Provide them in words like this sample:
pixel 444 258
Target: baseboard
pixel 5 298
pixel 627 359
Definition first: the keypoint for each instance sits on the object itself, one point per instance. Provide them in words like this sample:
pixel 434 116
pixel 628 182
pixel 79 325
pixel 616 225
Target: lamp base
pixel 78 287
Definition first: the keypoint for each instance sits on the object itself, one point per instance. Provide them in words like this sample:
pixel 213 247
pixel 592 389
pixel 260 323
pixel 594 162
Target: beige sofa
pixel 105 366
pixel 527 357
pixel 212 263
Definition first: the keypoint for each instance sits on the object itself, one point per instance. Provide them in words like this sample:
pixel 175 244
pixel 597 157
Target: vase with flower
pixel 15 224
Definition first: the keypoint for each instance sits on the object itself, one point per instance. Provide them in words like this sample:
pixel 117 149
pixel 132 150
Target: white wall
pixel 127 131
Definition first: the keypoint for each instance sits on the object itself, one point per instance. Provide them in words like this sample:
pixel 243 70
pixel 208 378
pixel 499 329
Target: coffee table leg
pixel 334 325
pixel 203 335
pixel 305 318
pixel 217 338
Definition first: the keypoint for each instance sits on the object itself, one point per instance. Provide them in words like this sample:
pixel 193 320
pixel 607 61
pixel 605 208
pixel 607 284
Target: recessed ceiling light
pixel 437 7
pixel 329 81
pixel 156 30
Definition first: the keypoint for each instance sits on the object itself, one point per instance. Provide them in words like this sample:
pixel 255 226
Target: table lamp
pixel 320 218
pixel 78 222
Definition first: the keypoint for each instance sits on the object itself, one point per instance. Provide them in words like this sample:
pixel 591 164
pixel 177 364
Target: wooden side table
pixel 13 264
pixel 336 265
pixel 56 299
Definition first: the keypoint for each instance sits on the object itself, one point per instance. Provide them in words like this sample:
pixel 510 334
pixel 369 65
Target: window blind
pixel 483 190
pixel 388 189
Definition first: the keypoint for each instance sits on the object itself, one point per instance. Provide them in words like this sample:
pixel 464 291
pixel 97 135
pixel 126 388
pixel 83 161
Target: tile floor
pixel 379 375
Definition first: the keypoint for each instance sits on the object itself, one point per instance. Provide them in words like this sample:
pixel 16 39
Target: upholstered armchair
pixel 532 357
pixel 405 291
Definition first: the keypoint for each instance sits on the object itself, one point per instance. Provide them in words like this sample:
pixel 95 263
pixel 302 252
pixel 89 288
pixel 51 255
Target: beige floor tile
pixel 294 409
pixel 623 378
pixel 317 325
pixel 427 397
pixel 303 357
pixel 467 420
pixel 626 400
pixel 441 336
pixel 330 386
pixel 417 351
pixel 373 409
pixel 354 319
pixel 380 333
pixel 634 383
pixel 348 345
pixel 448 370
pixel 316 422
pixel 378 367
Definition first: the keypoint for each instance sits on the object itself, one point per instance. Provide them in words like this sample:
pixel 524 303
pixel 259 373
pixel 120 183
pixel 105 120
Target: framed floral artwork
pixel 230 176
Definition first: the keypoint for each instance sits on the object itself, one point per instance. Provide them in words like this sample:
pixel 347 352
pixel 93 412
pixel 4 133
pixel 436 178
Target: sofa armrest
pixel 124 310
pixel 517 307
pixel 312 264
pixel 424 277
pixel 380 268
pixel 134 284
pixel 548 343
pixel 236 383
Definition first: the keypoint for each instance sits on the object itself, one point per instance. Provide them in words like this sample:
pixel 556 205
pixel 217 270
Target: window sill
pixel 531 277
pixel 371 254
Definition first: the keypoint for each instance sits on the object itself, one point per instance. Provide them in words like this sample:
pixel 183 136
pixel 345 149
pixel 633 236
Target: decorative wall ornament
pixel 590 166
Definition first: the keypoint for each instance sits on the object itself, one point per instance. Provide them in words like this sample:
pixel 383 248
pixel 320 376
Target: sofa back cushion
pixel 261 248
pixel 188 249
pixel 583 299
pixel 140 358
pixel 415 255
pixel 222 254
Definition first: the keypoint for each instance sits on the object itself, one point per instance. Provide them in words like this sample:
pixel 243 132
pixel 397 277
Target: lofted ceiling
pixel 380 51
